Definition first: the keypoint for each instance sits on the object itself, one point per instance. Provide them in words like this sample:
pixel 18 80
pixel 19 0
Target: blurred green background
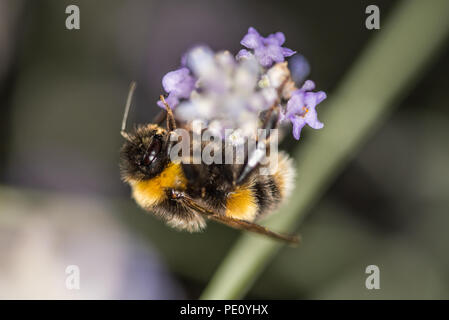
pixel 62 95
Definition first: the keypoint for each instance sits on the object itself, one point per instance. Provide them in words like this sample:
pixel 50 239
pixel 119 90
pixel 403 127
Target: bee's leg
pixel 231 222
pixel 171 122
pixel 257 153
pixel 271 118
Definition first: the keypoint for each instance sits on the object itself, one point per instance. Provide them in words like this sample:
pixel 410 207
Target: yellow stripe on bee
pixel 242 204
pixel 148 193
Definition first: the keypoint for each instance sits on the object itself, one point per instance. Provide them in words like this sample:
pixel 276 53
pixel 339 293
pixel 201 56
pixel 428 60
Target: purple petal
pixel 295 104
pixel 312 99
pixel 172 79
pixel 242 54
pixel 308 85
pixel 267 55
pixel 312 120
pixel 287 52
pixel 252 39
pixel 263 58
pixel 275 53
pixel 185 88
pixel 277 38
pixel 321 95
pixel 300 108
pixel 267 50
pixel 171 100
pixel 280 37
pixel 298 124
pixel 179 82
pixel 253 30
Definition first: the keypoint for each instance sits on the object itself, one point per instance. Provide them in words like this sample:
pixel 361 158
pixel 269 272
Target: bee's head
pixel 144 154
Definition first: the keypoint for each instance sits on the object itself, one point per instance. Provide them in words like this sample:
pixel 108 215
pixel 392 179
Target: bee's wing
pixel 238 224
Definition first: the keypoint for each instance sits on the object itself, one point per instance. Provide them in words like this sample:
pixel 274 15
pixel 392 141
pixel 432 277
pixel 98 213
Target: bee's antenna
pixel 171 123
pixel 132 88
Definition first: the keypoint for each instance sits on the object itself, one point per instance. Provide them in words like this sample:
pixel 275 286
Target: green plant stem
pixel 389 66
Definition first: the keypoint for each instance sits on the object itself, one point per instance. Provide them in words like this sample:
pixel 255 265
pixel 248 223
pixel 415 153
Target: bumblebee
pixel 185 195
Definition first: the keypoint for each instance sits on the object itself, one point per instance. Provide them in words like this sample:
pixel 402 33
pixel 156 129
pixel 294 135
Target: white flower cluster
pixel 231 93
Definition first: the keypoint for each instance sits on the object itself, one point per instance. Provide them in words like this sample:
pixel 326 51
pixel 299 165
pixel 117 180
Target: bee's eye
pixel 153 150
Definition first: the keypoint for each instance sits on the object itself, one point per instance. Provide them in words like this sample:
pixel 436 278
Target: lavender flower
pixel 179 84
pixel 228 95
pixel 267 50
pixel 224 91
pixel 301 108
